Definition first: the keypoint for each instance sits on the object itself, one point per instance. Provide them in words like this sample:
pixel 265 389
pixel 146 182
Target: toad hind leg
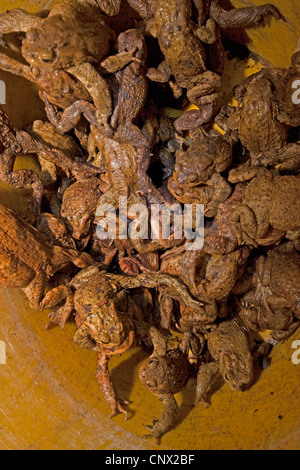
pixel 70 117
pixel 98 89
pixel 243 17
pixel 166 421
pixel 206 375
pixel 195 118
pixel 285 334
pixel 18 20
pixel 290 159
pixel 7 64
pixel 106 387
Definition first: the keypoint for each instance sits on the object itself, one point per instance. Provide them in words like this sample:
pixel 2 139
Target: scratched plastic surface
pixel 49 397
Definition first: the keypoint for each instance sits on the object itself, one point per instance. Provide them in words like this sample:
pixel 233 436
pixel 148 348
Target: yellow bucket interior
pixel 49 396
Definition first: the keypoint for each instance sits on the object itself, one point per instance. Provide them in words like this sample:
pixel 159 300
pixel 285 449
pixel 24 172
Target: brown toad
pixel 229 346
pixel 79 205
pixel 54 230
pixel 108 319
pixel 132 86
pixel 260 126
pixel 61 50
pixel 273 302
pixel 165 373
pixel 270 208
pixel 196 178
pixel 28 260
pixel 15 142
pixel 127 178
pixel 209 278
pixel 183 42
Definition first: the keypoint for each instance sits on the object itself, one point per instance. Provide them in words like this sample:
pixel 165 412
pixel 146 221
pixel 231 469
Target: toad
pixel 126 175
pixel 210 279
pixel 108 320
pixel 180 39
pixel 132 86
pixel 62 50
pixel 54 230
pixel 28 260
pixel 273 301
pixel 261 129
pixel 219 238
pixel 196 178
pixel 78 208
pixel 229 347
pixel 165 373
pixel 282 80
pixel 14 143
pixel 270 208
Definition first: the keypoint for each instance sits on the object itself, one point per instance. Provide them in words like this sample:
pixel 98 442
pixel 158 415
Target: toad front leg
pixel 107 388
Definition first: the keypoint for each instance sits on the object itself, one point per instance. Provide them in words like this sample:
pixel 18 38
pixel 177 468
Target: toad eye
pixel 179 192
pixel 153 383
pixel 46 57
pixel 114 287
pixel 193 178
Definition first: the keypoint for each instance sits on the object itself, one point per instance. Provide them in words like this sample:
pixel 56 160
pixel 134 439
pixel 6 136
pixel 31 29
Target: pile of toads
pixel 106 71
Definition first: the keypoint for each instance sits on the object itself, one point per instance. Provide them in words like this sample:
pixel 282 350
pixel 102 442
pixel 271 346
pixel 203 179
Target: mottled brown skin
pixel 165 373
pixel 196 177
pixel 48 135
pixel 270 208
pixel 145 8
pixel 54 230
pixel 61 50
pixel 133 86
pixel 282 80
pixel 229 347
pixel 273 302
pixel 126 174
pixel 209 278
pixel 79 205
pixel 28 260
pixel 109 7
pixel 180 39
pixel 260 127
pixel 108 320
pixel 14 143
pixel 219 238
